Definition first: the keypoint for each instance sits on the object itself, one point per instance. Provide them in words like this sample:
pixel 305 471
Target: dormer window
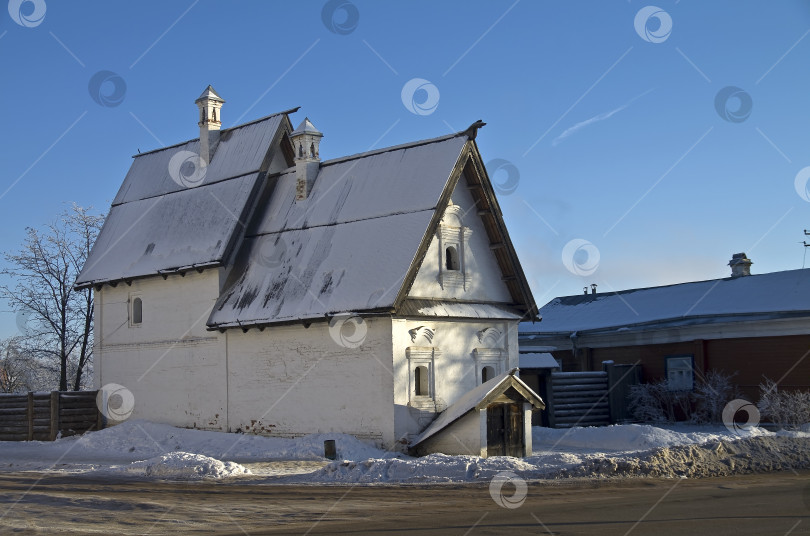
pixel 451 258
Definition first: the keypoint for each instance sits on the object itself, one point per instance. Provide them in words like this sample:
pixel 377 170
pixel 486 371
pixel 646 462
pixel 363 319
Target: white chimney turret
pixel 306 139
pixel 740 265
pixel 209 104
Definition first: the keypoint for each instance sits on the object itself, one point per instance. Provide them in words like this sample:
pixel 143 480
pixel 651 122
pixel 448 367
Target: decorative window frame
pixel 131 309
pixel 488 357
pixel 680 372
pixel 456 237
pixel 424 356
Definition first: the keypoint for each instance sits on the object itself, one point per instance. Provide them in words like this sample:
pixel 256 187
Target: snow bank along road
pixel 776 503
pixel 144 450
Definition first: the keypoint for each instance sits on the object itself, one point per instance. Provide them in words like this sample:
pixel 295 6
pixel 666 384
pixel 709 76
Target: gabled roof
pixel 765 296
pixel 356 243
pixel 478 399
pixel 157 223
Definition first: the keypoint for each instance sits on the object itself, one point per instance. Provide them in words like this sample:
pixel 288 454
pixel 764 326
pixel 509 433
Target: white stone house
pixel 242 284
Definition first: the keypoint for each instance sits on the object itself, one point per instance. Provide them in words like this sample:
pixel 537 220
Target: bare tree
pixel 59 319
pixel 20 371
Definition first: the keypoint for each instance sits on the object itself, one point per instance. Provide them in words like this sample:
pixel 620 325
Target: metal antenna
pixel 806 245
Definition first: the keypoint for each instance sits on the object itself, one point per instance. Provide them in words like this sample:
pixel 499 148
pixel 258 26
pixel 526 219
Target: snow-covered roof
pixel 479 398
pixel 354 244
pixel 763 296
pixel 538 360
pixel 157 223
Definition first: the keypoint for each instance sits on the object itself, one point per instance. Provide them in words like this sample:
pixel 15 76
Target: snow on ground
pixel 186 466
pixel 142 449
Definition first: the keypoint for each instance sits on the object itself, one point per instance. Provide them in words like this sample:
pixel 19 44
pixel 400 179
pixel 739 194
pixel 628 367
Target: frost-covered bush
pixel 711 395
pixel 655 402
pixel 645 403
pixel 788 410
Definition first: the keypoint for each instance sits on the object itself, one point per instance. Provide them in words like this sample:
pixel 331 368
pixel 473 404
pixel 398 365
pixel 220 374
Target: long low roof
pixel 777 294
pixel 156 224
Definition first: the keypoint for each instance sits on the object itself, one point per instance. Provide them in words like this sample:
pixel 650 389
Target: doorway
pixel 505 434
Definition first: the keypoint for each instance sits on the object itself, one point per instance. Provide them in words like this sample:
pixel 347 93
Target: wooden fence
pixel 579 399
pixel 42 416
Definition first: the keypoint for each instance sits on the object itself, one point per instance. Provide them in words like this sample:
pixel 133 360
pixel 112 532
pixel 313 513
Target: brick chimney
pixel 306 140
pixel 209 104
pixel 740 265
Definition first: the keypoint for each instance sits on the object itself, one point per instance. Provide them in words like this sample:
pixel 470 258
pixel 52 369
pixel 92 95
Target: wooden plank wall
pixel 43 416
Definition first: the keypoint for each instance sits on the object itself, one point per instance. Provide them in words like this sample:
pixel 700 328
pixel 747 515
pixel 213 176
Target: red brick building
pixel 752 326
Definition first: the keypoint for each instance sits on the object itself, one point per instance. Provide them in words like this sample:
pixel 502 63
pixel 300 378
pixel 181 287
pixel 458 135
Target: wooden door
pixel 514 430
pixel 496 430
pixel 505 430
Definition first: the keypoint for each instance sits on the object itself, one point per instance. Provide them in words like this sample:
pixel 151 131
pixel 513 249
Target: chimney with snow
pixel 209 104
pixel 305 140
pixel 740 265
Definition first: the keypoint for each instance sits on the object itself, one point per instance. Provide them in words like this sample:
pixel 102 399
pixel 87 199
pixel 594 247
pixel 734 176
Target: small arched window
pixel 487 373
pixel 137 311
pixel 312 150
pixel 421 380
pixel 214 114
pixel 451 258
pixel 300 149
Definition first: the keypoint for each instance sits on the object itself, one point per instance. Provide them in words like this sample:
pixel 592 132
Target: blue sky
pixel 621 168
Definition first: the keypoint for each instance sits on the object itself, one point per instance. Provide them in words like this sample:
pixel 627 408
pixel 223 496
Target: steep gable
pixel 348 246
pixel 357 242
pixel 160 223
pixel 458 264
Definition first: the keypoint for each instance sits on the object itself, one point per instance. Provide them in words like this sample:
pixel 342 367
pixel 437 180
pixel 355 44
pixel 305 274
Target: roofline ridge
pixel 266 117
pixel 718 279
pixel 418 143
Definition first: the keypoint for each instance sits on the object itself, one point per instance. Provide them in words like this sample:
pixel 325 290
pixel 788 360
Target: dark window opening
pixel 312 150
pixel 137 311
pixel 487 373
pixel 421 381
pixel 451 258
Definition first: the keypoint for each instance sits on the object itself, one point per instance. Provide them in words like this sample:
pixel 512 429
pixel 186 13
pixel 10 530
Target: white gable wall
pixel 482 275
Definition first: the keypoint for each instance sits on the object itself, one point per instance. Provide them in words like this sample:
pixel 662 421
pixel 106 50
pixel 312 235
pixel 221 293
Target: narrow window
pixel 421 381
pixel 300 150
pixel 312 150
pixel 451 258
pixel 137 311
pixel 487 373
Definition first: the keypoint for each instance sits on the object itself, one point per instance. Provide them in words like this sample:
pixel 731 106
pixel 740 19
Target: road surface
pixel 777 504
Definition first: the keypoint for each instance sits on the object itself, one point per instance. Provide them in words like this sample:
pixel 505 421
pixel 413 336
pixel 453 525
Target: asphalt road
pixel 776 504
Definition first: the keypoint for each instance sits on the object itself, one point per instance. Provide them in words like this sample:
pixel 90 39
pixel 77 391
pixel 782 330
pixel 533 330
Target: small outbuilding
pixel 494 419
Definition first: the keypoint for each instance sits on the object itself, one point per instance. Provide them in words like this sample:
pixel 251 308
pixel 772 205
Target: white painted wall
pixel 171 363
pixel 482 274
pixel 456 344
pixel 462 437
pixel 292 381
